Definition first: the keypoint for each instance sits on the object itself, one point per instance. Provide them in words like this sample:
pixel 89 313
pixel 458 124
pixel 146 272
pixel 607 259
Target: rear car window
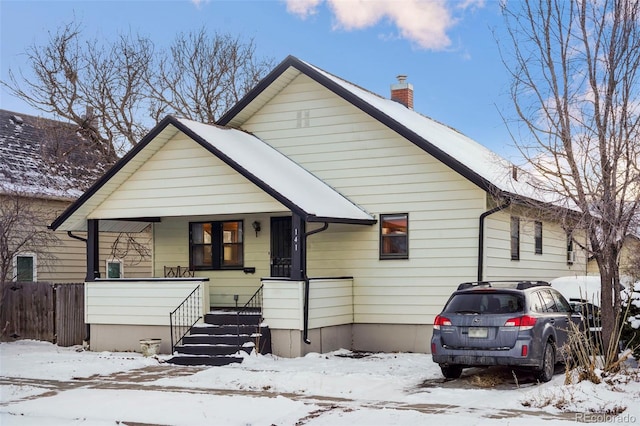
pixel 491 303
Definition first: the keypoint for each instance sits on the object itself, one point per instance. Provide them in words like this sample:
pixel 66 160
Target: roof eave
pixel 169 120
pixel 264 186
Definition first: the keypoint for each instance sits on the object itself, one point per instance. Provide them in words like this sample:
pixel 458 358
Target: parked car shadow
pixel 497 377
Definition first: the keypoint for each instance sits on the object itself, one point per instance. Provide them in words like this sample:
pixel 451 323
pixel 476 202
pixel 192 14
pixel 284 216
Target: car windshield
pixel 490 303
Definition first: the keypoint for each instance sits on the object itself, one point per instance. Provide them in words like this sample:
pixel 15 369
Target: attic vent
pixel 302 118
pixel 17 120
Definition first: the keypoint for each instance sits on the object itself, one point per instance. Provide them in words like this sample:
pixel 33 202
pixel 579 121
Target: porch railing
pixel 184 317
pixel 253 305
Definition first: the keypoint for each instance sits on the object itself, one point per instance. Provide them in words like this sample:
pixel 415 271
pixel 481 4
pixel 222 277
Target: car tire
pixel 545 373
pixel 451 371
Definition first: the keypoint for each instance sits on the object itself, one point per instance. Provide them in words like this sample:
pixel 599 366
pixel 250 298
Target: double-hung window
pixel 515 238
pixel 571 254
pixel 216 245
pixel 394 236
pixel 538 237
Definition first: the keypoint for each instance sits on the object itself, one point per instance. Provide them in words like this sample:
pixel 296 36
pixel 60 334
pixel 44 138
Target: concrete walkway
pixel 142 379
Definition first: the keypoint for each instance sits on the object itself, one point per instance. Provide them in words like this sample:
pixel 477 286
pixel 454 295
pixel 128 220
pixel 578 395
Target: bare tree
pixel 202 76
pixel 574 68
pixel 115 91
pixel 23 231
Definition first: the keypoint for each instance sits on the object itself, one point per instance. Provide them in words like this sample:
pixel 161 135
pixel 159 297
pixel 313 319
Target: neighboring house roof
pixel 277 175
pixel 45 158
pixel 464 155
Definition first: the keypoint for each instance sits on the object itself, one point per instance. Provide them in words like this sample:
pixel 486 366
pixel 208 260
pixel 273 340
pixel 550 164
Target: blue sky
pixel 446 48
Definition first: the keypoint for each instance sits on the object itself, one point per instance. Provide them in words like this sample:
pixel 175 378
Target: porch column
pixel 298 248
pixel 93 250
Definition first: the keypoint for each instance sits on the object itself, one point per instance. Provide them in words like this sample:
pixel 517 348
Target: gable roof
pixel 45 158
pixel 470 159
pixel 277 175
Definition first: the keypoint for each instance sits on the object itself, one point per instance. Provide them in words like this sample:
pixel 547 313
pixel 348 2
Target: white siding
pixel 383 173
pixel 137 303
pixel 184 178
pixel 282 304
pixel 552 263
pixel 330 303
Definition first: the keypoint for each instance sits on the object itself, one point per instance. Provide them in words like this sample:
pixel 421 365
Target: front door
pixel 281 246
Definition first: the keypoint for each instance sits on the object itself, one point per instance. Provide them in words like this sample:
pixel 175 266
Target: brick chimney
pixel 402 92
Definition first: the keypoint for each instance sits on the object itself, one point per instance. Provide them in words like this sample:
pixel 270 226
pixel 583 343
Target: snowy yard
pixel 41 383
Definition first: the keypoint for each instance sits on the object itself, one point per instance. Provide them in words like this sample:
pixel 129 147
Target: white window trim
pixel 35 265
pixel 106 266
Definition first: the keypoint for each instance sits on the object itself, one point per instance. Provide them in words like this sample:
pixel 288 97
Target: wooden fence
pixel 43 311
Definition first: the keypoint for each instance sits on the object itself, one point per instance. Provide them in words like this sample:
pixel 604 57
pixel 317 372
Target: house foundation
pixel 126 338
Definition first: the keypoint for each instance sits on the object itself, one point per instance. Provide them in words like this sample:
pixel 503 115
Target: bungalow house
pixel 348 216
pixel 44 166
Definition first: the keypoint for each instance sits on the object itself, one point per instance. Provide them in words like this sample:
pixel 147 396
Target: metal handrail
pixel 252 304
pixel 182 318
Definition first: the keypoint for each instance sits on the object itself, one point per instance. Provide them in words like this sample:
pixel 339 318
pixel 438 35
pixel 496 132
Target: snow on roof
pixel 45 158
pixel 467 152
pixel 278 172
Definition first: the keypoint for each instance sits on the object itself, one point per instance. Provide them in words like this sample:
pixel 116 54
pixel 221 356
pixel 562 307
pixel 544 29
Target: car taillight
pixel 440 321
pixel 525 322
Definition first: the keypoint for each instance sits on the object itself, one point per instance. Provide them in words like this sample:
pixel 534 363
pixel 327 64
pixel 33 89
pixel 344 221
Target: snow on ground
pixel 41 383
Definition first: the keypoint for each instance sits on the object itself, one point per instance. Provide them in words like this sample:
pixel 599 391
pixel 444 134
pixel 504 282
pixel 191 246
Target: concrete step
pixel 212 349
pixel 204 360
pixel 232 318
pixel 218 339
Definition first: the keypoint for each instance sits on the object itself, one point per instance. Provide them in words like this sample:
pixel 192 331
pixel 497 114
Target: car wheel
pixel 451 371
pixel 548 363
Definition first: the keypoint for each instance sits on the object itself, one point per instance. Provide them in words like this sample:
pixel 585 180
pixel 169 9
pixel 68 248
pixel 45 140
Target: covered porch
pixel 303 316
pixel 233 224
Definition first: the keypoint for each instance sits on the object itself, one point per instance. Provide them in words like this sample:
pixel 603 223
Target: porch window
pixel 24 268
pixel 538 237
pixel 216 245
pixel 515 238
pixel 394 236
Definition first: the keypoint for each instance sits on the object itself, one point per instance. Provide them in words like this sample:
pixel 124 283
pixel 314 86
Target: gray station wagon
pixel 521 324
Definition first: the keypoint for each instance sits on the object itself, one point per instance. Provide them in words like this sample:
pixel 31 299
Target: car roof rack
pixel 519 285
pixel 473 284
pixel 528 284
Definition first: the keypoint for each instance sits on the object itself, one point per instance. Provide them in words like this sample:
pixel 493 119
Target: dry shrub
pixel 585 355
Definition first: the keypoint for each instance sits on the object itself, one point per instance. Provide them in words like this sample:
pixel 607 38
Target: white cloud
pixel 198 3
pixel 303 8
pixel 424 22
